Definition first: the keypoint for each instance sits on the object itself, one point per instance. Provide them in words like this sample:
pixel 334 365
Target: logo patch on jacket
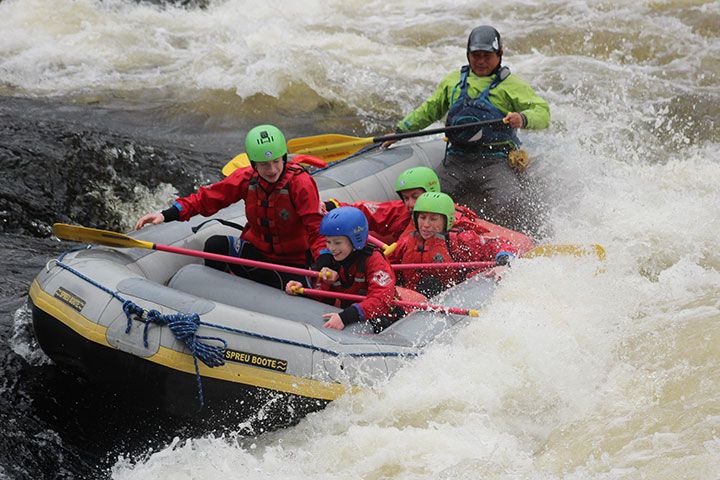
pixel 284 214
pixel 382 278
pixel 372 207
pixel 438 258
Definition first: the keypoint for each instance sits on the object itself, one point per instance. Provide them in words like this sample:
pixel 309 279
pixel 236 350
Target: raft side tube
pixel 240 292
pixel 372 176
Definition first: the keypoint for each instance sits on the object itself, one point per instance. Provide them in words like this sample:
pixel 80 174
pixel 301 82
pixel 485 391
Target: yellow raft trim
pixel 236 373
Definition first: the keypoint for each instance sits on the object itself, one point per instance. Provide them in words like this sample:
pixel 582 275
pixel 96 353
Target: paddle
pixel 242 161
pixel 541 251
pixel 112 239
pixel 334 146
pixel 421 266
pixel 548 250
pixel 413 305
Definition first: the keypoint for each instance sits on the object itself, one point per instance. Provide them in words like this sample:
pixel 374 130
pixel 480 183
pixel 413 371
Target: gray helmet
pixel 484 38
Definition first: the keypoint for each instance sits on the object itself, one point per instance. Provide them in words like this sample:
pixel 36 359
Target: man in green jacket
pixel 481 164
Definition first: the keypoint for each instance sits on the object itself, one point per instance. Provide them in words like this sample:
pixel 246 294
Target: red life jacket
pixel 369 275
pixel 434 250
pixel 273 224
pixel 467 241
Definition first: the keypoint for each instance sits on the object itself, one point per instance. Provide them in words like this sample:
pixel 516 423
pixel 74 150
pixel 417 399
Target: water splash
pixel 569 373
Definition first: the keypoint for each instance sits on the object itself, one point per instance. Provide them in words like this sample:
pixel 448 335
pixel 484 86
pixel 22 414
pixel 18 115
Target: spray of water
pixel 572 371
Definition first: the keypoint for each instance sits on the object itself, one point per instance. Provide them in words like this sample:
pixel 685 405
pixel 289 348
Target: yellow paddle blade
pixel 322 146
pixel 576 250
pixel 331 152
pixel 77 233
pixel 240 161
pixel 315 141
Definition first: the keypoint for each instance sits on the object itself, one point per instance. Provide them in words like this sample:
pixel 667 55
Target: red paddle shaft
pixel 239 261
pixel 401 303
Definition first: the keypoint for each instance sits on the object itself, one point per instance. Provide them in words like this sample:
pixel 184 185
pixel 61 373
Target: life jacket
pixel 274 225
pixel 437 249
pixel 470 110
pixel 354 277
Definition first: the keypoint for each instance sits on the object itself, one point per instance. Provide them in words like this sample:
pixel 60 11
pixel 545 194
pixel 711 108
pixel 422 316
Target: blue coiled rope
pixel 184 326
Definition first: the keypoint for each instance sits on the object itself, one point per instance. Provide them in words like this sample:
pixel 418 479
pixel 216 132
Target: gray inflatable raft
pixel 252 341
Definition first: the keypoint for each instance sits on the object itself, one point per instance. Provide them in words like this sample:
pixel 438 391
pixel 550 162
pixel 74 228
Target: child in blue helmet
pixel 355 268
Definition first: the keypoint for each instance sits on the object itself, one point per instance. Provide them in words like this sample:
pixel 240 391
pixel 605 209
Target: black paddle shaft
pixel 400 136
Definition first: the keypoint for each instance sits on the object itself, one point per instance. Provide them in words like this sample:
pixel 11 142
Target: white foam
pixel 569 373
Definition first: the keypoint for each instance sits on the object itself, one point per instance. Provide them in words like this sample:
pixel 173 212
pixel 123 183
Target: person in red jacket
pixel 389 220
pixel 282 206
pixel 439 238
pixel 358 269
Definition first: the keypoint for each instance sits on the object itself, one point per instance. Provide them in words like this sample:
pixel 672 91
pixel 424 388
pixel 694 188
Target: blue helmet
pixel 348 222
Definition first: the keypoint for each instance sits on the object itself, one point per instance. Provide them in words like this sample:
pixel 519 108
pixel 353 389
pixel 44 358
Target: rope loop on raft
pixel 184 326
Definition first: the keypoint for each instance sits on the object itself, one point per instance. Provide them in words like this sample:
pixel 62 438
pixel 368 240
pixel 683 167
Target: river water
pixel 110 108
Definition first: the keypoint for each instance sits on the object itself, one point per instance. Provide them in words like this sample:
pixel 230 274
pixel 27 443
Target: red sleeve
pixel 381 287
pixel 309 160
pixel 397 255
pixel 211 198
pixel 387 219
pixel 472 247
pixel 306 199
pixel 464 213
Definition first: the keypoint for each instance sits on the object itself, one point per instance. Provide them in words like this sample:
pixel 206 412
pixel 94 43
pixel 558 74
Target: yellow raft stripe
pixel 232 372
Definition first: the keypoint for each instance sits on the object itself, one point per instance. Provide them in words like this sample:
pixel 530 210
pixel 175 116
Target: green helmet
pixel 436 202
pixel 417 177
pixel 265 143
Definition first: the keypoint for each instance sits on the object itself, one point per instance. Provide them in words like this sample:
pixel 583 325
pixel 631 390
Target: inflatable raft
pixel 169 332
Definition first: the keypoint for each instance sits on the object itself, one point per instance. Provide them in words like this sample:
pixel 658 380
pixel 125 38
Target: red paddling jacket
pixel 364 272
pixel 283 218
pixel 463 243
pixel 390 220
pixel 386 220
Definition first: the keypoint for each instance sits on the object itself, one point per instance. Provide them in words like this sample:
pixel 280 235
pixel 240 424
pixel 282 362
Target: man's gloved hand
pixel 503 258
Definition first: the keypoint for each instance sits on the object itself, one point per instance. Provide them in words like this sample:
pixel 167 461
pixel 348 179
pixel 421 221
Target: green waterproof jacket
pixel 512 95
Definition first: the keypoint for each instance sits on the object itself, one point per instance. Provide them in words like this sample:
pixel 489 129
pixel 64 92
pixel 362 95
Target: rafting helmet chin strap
pixel 285 161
